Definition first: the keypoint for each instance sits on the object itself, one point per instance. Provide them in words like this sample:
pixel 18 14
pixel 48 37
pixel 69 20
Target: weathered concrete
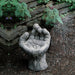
pixel 11 37
pixel 36 44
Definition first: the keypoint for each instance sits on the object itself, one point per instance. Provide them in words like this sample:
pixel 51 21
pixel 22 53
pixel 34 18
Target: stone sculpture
pixel 35 45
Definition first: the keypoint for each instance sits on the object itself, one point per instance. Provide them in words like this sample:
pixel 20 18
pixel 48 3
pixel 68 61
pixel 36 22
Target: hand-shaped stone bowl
pixel 36 44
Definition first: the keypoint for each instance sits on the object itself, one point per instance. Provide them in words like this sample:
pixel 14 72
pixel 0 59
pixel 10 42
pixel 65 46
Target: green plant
pixel 15 26
pixel 72 2
pixel 51 16
pixel 73 6
pixel 10 8
pixel 2 26
pixel 21 10
pixel 43 1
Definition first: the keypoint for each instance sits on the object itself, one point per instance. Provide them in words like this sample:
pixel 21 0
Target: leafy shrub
pixel 21 10
pixel 73 6
pixel 51 16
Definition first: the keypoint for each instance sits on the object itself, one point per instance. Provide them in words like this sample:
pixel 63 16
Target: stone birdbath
pixel 36 45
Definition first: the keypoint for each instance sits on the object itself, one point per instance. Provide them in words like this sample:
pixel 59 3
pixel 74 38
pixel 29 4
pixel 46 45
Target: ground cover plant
pixel 51 16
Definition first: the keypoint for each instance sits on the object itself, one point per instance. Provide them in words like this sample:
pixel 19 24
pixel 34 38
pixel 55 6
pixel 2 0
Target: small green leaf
pixel 2 26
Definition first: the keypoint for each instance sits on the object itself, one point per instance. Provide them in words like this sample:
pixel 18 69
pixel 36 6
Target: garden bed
pixel 61 54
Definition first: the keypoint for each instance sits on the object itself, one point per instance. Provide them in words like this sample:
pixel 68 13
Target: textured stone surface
pixel 36 44
pixel 10 37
